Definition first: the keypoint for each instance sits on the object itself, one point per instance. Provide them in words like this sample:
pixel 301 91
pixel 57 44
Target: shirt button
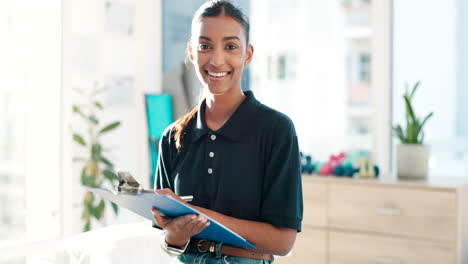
pixel 213 137
pixel 210 171
pixel 211 154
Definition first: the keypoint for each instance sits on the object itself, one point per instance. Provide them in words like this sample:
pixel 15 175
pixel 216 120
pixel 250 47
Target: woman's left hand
pixel 179 229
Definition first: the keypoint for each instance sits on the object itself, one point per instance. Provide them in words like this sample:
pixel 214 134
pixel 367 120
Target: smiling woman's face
pixel 219 51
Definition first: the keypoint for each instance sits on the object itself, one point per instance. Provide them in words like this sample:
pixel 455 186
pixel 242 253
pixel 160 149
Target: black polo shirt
pixel 247 169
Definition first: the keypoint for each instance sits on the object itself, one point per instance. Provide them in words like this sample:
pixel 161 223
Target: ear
pixel 249 55
pixel 190 51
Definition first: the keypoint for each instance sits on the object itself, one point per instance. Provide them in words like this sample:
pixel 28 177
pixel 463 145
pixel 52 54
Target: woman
pixel 237 157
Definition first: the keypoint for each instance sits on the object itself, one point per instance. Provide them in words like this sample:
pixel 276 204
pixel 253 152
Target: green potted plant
pixel 97 171
pixel 412 153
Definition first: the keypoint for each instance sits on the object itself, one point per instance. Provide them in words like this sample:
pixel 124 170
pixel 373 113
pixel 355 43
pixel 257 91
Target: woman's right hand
pixel 180 229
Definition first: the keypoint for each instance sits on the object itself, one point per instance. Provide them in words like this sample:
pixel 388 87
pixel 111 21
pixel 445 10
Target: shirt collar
pixel 236 127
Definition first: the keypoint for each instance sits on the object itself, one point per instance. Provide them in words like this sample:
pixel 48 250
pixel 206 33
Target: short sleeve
pixel 164 164
pixel 282 204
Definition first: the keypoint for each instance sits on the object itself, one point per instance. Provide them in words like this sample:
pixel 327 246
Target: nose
pixel 217 57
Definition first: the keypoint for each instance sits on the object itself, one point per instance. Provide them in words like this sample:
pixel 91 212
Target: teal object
pixel 159 117
pixel 318 166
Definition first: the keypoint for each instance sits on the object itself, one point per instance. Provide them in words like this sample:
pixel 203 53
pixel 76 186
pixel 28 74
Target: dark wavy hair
pixel 212 8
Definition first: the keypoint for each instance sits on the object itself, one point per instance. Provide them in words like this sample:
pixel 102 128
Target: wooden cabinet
pixel 394 211
pixel 360 248
pixel 315 204
pixel 349 221
pixel 310 247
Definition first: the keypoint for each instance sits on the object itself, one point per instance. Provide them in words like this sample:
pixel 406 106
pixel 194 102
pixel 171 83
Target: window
pixel 364 69
pixel 433 51
pixel 324 55
pixel 281 67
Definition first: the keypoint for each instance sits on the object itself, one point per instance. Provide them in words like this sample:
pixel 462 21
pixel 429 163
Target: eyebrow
pixel 224 39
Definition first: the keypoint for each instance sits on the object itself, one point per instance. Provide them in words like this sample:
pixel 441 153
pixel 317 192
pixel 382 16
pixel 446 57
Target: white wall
pixel 462 67
pixel 96 50
pixel 31 42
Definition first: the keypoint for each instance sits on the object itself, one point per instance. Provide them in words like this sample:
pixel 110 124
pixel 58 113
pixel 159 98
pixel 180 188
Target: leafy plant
pixel 97 170
pixel 414 127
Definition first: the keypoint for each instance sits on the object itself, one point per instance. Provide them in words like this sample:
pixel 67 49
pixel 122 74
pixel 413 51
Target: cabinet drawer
pixel 397 211
pixel 315 203
pixel 346 248
pixel 310 247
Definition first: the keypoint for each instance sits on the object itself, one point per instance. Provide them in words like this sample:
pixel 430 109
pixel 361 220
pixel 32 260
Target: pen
pixel 187 198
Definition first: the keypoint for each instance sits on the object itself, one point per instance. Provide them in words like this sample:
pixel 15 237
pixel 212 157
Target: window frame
pixel 381 83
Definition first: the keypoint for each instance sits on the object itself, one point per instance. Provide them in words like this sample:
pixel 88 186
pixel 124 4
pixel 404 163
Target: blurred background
pixel 337 68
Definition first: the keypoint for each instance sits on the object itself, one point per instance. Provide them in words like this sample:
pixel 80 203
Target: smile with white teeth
pixel 217 74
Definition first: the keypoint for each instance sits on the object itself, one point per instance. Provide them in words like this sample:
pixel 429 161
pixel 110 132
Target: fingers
pixel 160 220
pixel 185 222
pixel 201 223
pixel 192 224
pixel 187 225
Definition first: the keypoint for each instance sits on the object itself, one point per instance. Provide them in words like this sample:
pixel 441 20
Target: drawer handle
pixel 388 211
pixel 387 260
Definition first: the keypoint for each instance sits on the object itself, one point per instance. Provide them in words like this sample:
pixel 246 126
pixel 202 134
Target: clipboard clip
pixel 128 185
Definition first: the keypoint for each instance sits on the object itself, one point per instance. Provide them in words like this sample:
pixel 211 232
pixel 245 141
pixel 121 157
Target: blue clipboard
pixel 141 204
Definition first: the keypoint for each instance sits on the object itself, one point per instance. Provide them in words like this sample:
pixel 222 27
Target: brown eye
pixel 231 47
pixel 203 46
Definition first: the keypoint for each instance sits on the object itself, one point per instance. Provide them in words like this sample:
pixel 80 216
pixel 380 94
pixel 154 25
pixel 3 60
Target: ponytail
pixel 181 124
pixel 180 127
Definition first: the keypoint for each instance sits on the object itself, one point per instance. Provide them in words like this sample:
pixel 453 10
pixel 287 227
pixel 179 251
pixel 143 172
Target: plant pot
pixel 412 161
